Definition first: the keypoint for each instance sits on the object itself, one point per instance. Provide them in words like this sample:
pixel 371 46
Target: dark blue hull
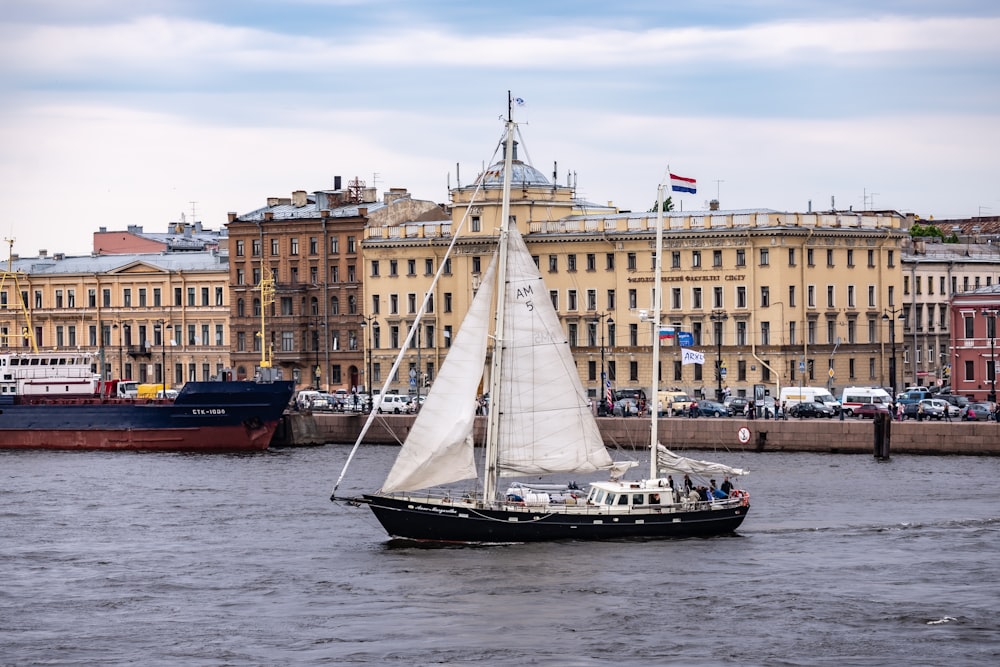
pixel 205 417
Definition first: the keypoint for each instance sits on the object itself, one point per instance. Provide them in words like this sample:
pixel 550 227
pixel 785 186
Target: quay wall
pixel 851 436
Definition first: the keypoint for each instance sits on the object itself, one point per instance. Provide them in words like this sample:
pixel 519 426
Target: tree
pixel 668 205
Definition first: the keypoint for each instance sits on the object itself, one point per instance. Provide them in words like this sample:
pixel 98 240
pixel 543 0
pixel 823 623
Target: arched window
pixel 240 308
pixel 314 306
pixel 334 305
pixel 256 307
pixel 352 305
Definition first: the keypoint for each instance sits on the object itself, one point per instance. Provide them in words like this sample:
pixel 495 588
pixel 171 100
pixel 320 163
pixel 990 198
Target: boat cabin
pixel 48 374
pixel 643 494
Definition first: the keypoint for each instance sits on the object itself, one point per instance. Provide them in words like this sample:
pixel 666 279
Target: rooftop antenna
pixel 717 183
pixel 194 211
pixel 868 200
pixel 375 179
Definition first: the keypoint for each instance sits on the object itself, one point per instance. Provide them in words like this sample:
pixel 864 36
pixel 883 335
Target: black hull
pixel 414 520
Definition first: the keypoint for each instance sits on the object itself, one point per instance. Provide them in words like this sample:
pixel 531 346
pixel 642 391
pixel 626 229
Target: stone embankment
pixel 851 436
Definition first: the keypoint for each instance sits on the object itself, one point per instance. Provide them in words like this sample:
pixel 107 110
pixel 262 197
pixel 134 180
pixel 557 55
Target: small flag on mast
pixel 666 333
pixel 683 184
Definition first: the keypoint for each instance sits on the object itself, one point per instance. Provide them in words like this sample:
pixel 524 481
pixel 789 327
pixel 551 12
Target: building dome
pixel 521 173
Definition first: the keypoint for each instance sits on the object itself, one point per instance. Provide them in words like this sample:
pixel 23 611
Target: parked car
pixel 976 412
pixel 736 404
pixel 932 409
pixel 712 409
pixel 625 407
pixel 869 410
pixel 810 409
pixel 394 403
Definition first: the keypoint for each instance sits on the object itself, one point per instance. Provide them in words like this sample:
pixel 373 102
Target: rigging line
pixel 419 316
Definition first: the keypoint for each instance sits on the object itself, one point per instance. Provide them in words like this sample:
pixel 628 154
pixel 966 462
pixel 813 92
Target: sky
pixel 134 112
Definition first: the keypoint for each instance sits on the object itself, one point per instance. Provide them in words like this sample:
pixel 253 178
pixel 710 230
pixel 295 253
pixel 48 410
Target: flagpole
pixel 654 398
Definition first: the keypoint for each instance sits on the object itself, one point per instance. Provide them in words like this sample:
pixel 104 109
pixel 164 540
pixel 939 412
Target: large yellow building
pixel 774 298
pixel 138 314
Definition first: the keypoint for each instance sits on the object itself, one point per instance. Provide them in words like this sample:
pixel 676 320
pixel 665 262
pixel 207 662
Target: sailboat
pixel 539 422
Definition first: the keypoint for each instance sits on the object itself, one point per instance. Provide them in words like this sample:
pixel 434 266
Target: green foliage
pixel 919 230
pixel 668 205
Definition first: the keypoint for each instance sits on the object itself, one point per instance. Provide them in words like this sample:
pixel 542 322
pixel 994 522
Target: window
pixel 591 299
pixel 287 341
pixel 609 262
pixel 969 321
pixel 554 297
pixel 791 332
pixel 829 297
pixel 791 296
pixel 633 335
pixel 791 257
pixel 741 297
pixel 375 268
pixel 810 260
pixel 573 334
pixel 275 247
pixel 255 247
pixel 675 298
pixel 411 267
pixel 633 371
pixel 717 258
pixel 428 267
pixel 871 259
pixel 632 299
pixel 611 299
pixel 334 305
pixel 553 263
pixel 191 296
pixel 831 331
pixel 850 297
pixel 106 297
pixel 240 248
pixel 591 262
pixel 411 303
pixel 571 300
pixel 476 264
pixel 811 296
pixel 393 268
pixel 970 370
pixel 765 296
pixel 852 331
pixel 850 261
pixel 696 259
pixel 765 333
pixel 571 262
pixel 294 248
pixel 829 257
pixel 717 297
pixel 696 298
pixel 631 261
pixel 764 257
pixel 675 259
pixel 352 245
pixel 741 332
pixel 476 223
pixel 892 258
pixel 334 245
pixel 741 257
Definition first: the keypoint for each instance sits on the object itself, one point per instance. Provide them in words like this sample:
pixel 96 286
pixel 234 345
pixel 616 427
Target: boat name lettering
pixel 439 510
pixel 208 411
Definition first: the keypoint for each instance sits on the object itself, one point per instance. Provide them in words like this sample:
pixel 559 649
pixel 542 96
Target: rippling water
pixel 153 559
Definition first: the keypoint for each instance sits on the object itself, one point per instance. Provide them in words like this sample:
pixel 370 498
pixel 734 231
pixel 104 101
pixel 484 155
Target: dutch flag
pixel 682 184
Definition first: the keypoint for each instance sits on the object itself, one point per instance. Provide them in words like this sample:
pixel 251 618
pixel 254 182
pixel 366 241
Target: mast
pixel 657 302
pixel 493 421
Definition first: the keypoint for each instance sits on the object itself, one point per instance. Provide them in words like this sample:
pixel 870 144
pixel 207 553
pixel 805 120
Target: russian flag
pixel 682 184
pixel 666 333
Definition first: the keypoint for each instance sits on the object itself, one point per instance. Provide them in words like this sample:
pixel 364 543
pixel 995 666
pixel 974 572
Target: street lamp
pixel 991 331
pixel 718 316
pixel 317 373
pixel 368 324
pixel 121 348
pixel 890 315
pixel 162 330
pixel 604 398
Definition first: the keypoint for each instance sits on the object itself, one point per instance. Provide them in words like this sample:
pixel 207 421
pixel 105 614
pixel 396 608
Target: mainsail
pixel 546 423
pixel 439 448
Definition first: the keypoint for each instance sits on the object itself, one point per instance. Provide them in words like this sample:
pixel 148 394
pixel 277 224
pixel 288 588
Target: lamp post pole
pixel 991 331
pixel 368 324
pixel 162 329
pixel 315 346
pixel 602 397
pixel 718 317
pixel 121 349
pixel 890 315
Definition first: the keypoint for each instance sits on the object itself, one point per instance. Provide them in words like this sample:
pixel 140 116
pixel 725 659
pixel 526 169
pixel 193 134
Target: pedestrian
pixel 947 412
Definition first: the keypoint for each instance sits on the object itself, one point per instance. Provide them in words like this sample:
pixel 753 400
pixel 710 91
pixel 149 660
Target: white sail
pixel 546 423
pixel 670 462
pixel 439 448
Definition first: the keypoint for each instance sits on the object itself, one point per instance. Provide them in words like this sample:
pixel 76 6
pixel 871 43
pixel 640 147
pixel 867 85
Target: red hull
pixel 214 440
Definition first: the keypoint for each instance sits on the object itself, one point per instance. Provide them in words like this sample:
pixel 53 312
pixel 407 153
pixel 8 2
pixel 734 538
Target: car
pixel 736 404
pixel 931 408
pixel 712 409
pixel 869 410
pixel 976 412
pixel 394 403
pixel 625 407
pixel 810 409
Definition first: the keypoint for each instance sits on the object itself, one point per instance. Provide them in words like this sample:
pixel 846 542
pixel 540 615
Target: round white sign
pixel 744 435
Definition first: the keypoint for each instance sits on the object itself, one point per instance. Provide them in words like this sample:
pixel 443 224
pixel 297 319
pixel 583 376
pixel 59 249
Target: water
pixel 154 559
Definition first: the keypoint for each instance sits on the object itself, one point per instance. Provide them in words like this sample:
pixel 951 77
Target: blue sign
pixel 685 338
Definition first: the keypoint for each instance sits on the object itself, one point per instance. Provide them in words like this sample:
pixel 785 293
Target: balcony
pixel 139 351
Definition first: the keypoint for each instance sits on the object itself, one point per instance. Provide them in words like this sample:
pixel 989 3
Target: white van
pixel 855 397
pixel 394 403
pixel 793 395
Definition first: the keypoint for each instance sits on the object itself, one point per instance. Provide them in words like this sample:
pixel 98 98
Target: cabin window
pixel 610 500
pixel 638 499
pixel 623 499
